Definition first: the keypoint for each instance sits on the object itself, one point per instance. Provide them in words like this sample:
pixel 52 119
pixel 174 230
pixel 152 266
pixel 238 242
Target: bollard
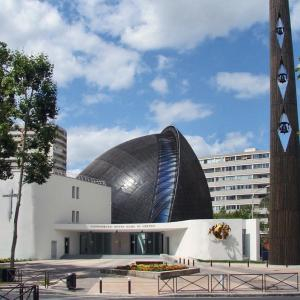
pixel 71 281
pixel 286 265
pixel 180 260
pixel 36 293
pixel 211 263
pixel 46 280
pixel 248 263
pixel 100 285
pixel 267 263
pixel 188 262
pixel 129 286
pixel 229 263
pixel 193 263
pixel 184 261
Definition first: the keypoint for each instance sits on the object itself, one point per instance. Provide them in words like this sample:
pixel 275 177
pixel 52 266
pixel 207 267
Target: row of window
pixel 234 158
pixel 237 187
pixel 238 197
pixel 238 177
pixel 75 216
pixel 237 168
pixel 75 192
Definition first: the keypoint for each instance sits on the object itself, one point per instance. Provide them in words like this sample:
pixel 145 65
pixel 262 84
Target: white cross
pixel 10 210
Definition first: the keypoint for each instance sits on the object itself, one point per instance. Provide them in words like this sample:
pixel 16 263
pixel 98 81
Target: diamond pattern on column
pixel 282 79
pixel 280 31
pixel 284 131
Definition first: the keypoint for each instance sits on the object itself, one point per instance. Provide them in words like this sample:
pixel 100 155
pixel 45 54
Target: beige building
pixel 237 179
pixel 58 150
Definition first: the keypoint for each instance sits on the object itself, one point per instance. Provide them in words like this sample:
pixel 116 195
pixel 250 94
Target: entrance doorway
pixel 53 249
pixel 67 245
pixel 142 243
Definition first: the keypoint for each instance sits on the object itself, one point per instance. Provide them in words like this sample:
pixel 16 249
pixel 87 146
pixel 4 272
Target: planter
pixel 152 275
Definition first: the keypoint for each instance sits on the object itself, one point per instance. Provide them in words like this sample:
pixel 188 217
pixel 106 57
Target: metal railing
pixel 211 283
pixel 19 291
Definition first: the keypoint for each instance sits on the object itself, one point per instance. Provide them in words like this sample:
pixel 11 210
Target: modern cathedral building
pixel 145 196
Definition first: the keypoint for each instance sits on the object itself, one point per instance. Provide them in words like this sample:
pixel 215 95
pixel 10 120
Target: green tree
pixel 243 213
pixel 28 99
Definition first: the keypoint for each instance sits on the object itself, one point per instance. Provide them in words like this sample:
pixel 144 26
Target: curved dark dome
pixel 154 178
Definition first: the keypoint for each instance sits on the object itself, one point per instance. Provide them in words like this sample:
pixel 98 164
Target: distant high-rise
pixel 58 150
pixel 284 141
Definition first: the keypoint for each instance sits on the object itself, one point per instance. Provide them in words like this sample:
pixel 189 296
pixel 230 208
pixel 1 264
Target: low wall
pixel 151 275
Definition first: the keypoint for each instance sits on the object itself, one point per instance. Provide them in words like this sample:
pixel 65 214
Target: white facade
pixel 237 179
pixel 43 206
pixel 65 215
pixel 186 238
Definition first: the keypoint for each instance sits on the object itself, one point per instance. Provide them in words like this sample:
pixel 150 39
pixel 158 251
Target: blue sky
pixel 130 68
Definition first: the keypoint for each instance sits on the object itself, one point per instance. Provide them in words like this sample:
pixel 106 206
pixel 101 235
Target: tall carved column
pixel 284 141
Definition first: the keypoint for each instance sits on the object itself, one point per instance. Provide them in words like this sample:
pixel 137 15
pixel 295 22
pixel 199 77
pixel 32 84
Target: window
pixel 258 166
pixel 77 192
pixel 230 198
pixel 75 216
pixel 73 192
pixel 230 158
pixel 210 179
pixel 209 170
pixel 261 155
pixel 244 167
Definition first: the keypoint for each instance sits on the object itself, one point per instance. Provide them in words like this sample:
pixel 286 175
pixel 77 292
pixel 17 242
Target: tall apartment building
pixel 58 150
pixel 237 179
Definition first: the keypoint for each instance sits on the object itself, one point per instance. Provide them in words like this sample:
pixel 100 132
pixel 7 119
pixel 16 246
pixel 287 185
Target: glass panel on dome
pixel 282 79
pixel 284 131
pixel 280 32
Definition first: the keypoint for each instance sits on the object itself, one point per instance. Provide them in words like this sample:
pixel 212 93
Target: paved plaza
pixel 88 278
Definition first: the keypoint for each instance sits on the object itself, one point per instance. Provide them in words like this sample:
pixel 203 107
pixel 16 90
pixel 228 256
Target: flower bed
pixel 152 267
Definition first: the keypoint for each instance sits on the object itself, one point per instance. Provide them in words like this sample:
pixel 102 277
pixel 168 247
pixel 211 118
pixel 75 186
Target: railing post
pixel 129 286
pixel 100 285
pixel 158 278
pixel 21 291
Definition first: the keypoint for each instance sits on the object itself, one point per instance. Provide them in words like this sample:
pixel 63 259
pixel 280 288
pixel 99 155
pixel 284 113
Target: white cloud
pixel 147 25
pixel 36 26
pixel 233 142
pixel 242 84
pixel 163 62
pixel 295 12
pixel 160 85
pixel 166 113
pixel 87 143
pixel 96 98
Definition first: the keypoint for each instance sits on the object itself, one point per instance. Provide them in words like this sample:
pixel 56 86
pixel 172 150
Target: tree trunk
pixel 15 233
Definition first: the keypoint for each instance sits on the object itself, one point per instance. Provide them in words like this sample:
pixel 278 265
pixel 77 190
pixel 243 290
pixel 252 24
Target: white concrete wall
pixel 196 242
pixel 26 239
pixel 54 204
pixel 252 232
pixel 45 205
